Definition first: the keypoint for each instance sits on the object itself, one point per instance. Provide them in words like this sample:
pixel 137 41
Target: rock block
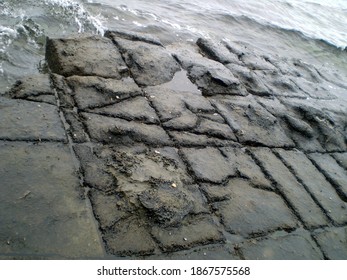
pixel 96 92
pixel 113 130
pixel 42 210
pixel 85 56
pixel 316 184
pixel 194 232
pixel 209 164
pixel 333 242
pixel 149 64
pixel 294 246
pixel 27 120
pixel 341 158
pixel 290 188
pixel 332 171
pixel 253 211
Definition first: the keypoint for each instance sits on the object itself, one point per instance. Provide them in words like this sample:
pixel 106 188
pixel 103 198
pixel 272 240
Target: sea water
pixel 312 30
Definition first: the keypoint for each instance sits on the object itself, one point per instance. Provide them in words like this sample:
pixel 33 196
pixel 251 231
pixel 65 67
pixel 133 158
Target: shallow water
pixel 313 30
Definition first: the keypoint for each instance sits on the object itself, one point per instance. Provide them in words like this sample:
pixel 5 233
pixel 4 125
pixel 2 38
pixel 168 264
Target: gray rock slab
pixel 333 242
pixel 42 211
pixel 209 164
pixel 34 88
pixel 27 120
pixel 341 158
pixel 251 123
pixel 291 189
pixel 217 51
pixel 132 36
pixel 149 64
pixel 114 130
pixel 129 237
pixel 253 211
pixel 332 171
pixel 194 232
pixel 294 246
pixel 215 129
pixel 133 109
pixel 188 139
pixel 92 92
pixel 85 56
pixel 247 167
pixel 76 128
pixel 318 186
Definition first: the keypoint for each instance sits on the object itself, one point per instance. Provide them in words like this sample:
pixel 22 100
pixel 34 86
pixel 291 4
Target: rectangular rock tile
pixel 187 139
pixel 26 120
pixel 253 211
pixel 76 129
pixel 96 92
pixel 194 232
pixel 149 64
pixel 85 56
pixel 294 246
pixel 247 167
pixel 332 171
pixel 333 242
pixel 209 164
pixel 113 130
pixel 251 123
pixel 129 237
pixel 317 185
pixel 290 188
pixel 42 211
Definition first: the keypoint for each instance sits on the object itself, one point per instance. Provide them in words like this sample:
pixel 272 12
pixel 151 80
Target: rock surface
pixel 207 150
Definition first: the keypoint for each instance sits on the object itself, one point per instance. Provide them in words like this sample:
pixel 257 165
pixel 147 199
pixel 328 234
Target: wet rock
pixel 27 120
pixel 149 64
pixel 187 139
pixel 332 171
pixel 93 92
pixel 214 129
pixel 109 209
pixel 76 128
pixel 64 92
pixel 247 167
pixel 133 109
pixel 168 205
pixel 35 88
pixel 253 211
pixel 252 124
pixel 95 171
pixel 129 237
pixel 295 246
pixel 194 231
pixel 209 164
pixel 314 90
pixel 317 185
pixel 186 121
pixel 341 158
pixel 333 242
pixel 216 193
pixel 42 211
pixel 113 130
pixel 132 36
pixel 296 195
pixel 85 56
pixel 217 52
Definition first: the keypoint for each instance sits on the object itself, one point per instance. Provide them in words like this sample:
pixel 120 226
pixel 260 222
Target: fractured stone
pixel 291 189
pixel 85 56
pixel 294 246
pixel 316 183
pixel 27 120
pixel 187 139
pixel 149 64
pixel 333 242
pixel 341 158
pixel 42 209
pixel 247 167
pixel 253 211
pixel 194 231
pixel 113 130
pixel 251 123
pixel 76 128
pixel 209 164
pixel 92 92
pixel 332 171
pixel 215 129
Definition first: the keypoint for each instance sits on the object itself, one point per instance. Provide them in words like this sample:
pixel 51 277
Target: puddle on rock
pixel 181 82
